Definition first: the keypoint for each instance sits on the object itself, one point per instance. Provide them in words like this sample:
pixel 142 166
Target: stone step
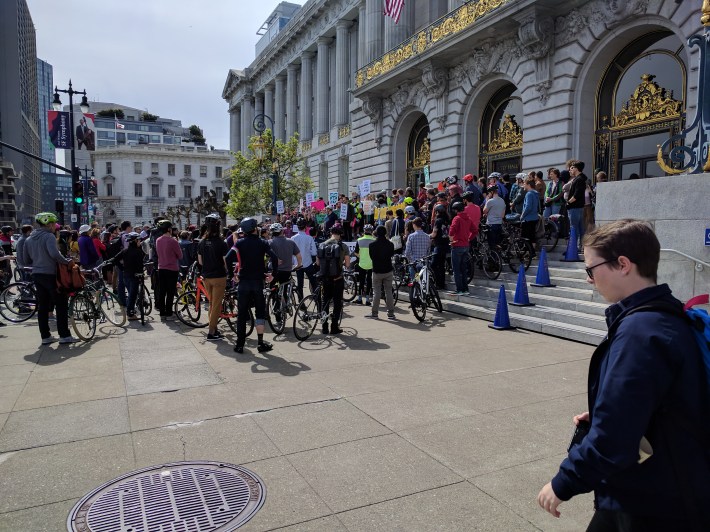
pixel 564 303
pixel 576 290
pixel 559 271
pixel 561 281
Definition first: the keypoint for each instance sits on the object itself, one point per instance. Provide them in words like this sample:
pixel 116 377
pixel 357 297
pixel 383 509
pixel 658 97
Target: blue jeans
pixel 131 283
pixel 121 288
pixel 458 261
pixel 576 221
pixel 551 209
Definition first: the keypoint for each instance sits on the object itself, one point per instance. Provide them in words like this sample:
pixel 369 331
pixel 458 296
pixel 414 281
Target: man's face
pixel 573 171
pixel 608 280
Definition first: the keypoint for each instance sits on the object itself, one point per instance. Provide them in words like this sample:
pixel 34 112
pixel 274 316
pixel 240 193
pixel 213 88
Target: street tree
pixel 251 178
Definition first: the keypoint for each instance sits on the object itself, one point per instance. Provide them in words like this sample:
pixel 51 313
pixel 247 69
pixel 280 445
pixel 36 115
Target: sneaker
pixel 371 316
pixel 367 303
pixel 391 317
pixel 68 340
pixel 335 330
pixel 462 293
pixel 263 347
pixel 49 340
pixel 133 317
pixel 452 292
pixel 325 328
pixel 216 336
pixel 238 348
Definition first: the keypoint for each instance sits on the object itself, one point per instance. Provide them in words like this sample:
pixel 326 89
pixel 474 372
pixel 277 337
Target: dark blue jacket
pixel 644 379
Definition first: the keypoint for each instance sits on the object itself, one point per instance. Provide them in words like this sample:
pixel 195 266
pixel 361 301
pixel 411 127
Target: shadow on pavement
pixel 262 362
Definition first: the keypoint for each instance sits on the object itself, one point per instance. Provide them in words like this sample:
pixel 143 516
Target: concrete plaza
pixel 445 425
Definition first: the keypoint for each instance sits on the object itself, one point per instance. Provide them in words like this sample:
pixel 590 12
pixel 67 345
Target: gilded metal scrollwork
pixel 649 102
pixel 508 137
pixel 423 156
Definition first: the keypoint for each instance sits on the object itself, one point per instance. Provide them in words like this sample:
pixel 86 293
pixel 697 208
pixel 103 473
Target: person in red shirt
pixel 460 237
pixel 169 254
pixel 473 211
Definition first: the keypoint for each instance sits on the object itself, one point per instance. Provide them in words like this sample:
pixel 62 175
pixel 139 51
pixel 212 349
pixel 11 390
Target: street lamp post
pixel 259 148
pixel 57 105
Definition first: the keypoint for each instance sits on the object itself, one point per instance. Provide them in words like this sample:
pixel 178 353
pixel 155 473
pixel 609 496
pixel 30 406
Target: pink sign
pixel 319 205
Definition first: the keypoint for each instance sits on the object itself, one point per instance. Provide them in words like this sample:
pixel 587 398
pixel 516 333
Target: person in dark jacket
pixel 132 258
pixel 575 200
pixel 645 454
pixel 381 253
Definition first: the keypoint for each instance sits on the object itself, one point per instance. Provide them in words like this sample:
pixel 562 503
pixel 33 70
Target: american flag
pixel 393 8
pixel 120 126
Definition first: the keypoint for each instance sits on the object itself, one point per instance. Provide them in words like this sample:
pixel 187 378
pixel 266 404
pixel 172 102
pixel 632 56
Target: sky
pixel 169 57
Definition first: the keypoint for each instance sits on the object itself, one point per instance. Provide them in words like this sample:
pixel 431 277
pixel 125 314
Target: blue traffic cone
pixel 502 321
pixel 521 298
pixel 542 279
pixel 572 255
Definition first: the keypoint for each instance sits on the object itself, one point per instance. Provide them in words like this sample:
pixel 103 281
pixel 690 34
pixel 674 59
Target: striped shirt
pixel 418 245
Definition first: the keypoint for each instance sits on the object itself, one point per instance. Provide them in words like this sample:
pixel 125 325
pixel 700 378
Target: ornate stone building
pixel 505 85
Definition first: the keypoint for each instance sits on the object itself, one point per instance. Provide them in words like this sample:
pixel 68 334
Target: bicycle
pixel 144 302
pixel 552 232
pixel 18 301
pixel 423 293
pixel 281 304
pixel 515 250
pixel 192 308
pixel 310 312
pixel 484 257
pixel 94 303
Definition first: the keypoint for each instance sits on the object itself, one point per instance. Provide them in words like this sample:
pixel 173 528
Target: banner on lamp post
pixel 84 132
pixel 59 129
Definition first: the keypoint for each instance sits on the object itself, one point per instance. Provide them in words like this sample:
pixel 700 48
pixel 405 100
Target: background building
pixel 19 121
pixel 45 95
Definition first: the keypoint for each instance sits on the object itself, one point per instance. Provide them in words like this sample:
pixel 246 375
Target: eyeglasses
pixel 590 270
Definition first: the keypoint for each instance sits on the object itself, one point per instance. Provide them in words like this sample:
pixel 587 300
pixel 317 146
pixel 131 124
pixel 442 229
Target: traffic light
pixel 59 206
pixel 78 186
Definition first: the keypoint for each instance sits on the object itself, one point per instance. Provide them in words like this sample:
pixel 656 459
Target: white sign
pixel 300 204
pixel 365 187
pixel 280 207
pixel 351 246
pixel 333 198
pixel 310 197
pixel 367 207
pixel 73 217
pixel 294 229
pixel 343 211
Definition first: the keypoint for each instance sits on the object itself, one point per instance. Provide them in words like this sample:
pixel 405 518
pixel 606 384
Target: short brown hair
pixel 579 165
pixel 633 239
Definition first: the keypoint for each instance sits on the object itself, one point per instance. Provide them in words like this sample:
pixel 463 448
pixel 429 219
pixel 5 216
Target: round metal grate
pixel 180 497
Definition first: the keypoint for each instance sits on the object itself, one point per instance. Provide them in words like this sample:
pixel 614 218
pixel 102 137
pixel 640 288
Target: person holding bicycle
pixel 285 250
pixel 364 264
pixel 307 247
pixel 440 240
pixel 42 254
pixel 169 255
pixel 211 254
pixel 133 258
pixel 332 255
pixel 460 237
pixel 251 252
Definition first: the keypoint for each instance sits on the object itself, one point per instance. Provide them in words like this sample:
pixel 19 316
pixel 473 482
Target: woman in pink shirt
pixel 169 255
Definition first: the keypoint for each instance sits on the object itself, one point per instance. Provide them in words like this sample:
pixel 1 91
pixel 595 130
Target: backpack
pixel 330 260
pixel 69 278
pixel 114 247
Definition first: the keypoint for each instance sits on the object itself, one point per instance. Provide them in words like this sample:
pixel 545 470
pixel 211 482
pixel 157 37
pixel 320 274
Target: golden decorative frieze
pixel 508 137
pixel 454 23
pixel 324 139
pixel 423 156
pixel 344 131
pixel 649 103
pixel 306 145
pixel 705 19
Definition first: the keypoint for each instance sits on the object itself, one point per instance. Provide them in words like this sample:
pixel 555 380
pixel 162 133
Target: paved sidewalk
pixel 446 425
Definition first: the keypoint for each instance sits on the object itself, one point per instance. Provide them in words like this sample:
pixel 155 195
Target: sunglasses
pixel 590 270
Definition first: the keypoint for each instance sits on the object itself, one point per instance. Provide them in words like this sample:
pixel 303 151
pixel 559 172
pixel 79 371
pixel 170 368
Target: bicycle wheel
pixel 112 309
pixel 82 316
pixel 522 254
pixel 551 237
pixel 350 291
pixel 147 301
pixel 434 299
pixel 418 301
pixel 275 314
pixel 230 309
pixel 306 318
pixel 18 302
pixel 492 264
pixel 191 311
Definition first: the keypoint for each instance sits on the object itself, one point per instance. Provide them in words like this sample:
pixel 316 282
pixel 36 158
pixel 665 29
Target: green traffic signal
pixel 79 200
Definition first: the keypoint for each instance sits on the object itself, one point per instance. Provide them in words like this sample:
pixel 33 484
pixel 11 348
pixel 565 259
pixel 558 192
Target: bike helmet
pixel 409 209
pixel 440 208
pixel 46 218
pixel 368 229
pixel 495 175
pixel 452 180
pixel 492 188
pixel 248 225
pixel 408 200
pixel 457 207
pixel 468 178
pixel 130 237
pixel 164 224
pixel 276 229
pixel 469 196
pixel 213 219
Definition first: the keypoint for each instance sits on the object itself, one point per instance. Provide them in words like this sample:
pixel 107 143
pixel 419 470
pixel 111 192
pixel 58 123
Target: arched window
pixel 418 154
pixel 501 134
pixel 640 104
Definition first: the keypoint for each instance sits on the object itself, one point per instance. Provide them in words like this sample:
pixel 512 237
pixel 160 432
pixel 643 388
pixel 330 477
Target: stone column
pixel 353 46
pixel 235 129
pixel 396 34
pixel 291 100
pixel 247 122
pixel 453 4
pixel 322 88
pixel 342 60
pixel 362 35
pixel 269 100
pixel 279 107
pixel 259 103
pixel 306 129
pixel 374 21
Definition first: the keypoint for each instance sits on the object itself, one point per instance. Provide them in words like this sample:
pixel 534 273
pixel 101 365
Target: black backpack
pixel 114 248
pixel 330 259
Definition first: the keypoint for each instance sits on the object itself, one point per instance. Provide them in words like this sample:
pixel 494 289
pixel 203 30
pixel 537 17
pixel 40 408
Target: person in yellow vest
pixel 364 264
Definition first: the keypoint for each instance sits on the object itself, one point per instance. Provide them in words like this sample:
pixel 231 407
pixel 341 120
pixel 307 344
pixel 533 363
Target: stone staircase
pixel 571 309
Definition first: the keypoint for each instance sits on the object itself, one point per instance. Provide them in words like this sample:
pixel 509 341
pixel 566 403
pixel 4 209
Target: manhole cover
pixel 177 497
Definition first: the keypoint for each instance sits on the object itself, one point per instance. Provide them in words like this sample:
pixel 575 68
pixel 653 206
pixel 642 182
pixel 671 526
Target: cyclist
pixel 460 237
pixel 494 211
pixel 382 251
pixel 251 251
pixel 473 211
pixel 440 240
pixel 285 250
pixel 332 255
pixel 41 252
pixel 364 264
pixel 307 246
pixel 210 254
pixel 132 258
pixel 26 231
pixel 169 255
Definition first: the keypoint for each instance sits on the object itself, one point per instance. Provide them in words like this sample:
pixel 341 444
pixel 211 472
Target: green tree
pixel 148 117
pixel 110 113
pixel 251 178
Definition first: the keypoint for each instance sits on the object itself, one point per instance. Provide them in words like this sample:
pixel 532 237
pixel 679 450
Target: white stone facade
pixel 553 53
pixel 137 183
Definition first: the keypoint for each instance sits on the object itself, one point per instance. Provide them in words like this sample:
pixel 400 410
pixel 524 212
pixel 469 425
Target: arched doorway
pixel 640 104
pixel 501 133
pixel 418 154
